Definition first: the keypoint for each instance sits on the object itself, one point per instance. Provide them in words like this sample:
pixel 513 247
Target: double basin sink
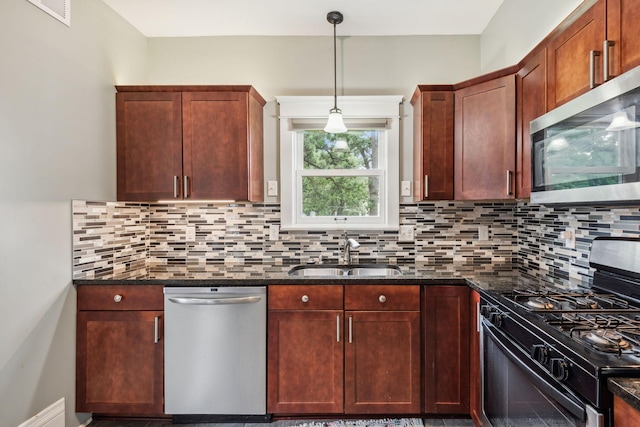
pixel 333 270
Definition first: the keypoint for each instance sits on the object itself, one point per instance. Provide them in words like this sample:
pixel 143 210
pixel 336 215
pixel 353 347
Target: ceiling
pixel 191 18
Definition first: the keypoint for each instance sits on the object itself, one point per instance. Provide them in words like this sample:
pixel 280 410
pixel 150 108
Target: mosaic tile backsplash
pixel 151 241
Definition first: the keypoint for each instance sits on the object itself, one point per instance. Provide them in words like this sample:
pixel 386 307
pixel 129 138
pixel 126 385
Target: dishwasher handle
pixel 203 300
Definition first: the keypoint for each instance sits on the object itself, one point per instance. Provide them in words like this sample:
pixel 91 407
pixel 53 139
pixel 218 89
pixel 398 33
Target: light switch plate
pixel 190 233
pixel 483 233
pixel 406 233
pixel 274 232
pixel 405 188
pixel 272 188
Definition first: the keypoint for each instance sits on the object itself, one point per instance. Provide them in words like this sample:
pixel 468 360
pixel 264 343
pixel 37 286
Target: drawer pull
pixel 305 298
pixel 382 298
pixel 117 298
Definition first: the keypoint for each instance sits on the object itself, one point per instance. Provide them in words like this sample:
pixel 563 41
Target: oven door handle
pixel 577 408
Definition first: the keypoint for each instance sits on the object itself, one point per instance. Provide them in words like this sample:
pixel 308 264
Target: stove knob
pixel 486 310
pixel 559 369
pixel 496 318
pixel 540 353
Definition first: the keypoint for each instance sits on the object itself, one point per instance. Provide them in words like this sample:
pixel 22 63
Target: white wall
pixel 304 66
pixel 517 27
pixel 57 142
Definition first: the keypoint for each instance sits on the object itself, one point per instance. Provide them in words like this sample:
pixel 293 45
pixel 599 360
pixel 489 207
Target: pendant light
pixel 335 124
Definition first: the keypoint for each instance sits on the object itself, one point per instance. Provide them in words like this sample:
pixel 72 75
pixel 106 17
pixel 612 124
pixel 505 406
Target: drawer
pixel 382 297
pixel 131 297
pixel 305 297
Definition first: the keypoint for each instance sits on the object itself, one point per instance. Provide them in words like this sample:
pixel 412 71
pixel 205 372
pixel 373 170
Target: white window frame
pixel 358 111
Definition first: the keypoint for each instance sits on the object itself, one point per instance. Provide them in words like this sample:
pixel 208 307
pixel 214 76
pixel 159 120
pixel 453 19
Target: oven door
pixel 518 392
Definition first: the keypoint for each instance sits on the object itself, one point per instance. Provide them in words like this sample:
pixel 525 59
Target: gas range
pixel 566 343
pixel 600 321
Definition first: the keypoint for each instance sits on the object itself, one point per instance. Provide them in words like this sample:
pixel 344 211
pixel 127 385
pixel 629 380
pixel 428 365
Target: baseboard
pixel 51 416
pixel 86 423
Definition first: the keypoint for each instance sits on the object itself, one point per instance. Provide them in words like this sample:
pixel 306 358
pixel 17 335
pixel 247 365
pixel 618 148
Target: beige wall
pixel 57 142
pixel 304 66
pixel 517 27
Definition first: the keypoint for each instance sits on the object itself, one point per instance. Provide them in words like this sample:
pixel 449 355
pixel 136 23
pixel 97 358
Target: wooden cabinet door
pixel 149 145
pixel 485 135
pixel 531 96
pixel 624 415
pixel 215 136
pixel 475 382
pixel 382 362
pixel 568 56
pixel 305 362
pixel 622 21
pixel 119 364
pixel 433 145
pixel 446 349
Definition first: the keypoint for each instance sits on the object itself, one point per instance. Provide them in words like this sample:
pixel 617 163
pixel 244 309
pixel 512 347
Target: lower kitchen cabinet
pixel 119 350
pixel 362 357
pixel 446 349
pixel 475 384
pixel 624 415
pixel 382 349
pixel 305 350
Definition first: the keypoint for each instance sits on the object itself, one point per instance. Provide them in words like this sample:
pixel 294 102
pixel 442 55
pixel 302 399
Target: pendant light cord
pixel 335 72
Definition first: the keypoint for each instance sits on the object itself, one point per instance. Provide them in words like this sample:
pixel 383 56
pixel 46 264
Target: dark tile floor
pixel 449 422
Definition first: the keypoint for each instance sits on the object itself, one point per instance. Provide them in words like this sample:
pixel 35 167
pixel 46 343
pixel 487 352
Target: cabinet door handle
pixel 185 182
pixel 509 176
pixel 176 184
pixel 338 328
pixel 117 298
pixel 305 298
pixel 156 329
pixel 592 67
pixel 605 60
pixel 382 299
pixel 350 329
pixel 426 186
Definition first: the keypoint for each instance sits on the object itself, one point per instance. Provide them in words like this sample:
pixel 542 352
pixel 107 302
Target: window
pixel 339 181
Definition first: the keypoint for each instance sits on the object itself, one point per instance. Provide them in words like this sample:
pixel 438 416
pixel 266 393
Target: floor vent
pixel 59 9
pixel 51 416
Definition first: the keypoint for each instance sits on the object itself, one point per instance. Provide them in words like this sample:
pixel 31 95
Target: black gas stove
pixel 563 344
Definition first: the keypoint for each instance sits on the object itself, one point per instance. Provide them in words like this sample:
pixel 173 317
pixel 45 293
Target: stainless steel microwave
pixel 588 150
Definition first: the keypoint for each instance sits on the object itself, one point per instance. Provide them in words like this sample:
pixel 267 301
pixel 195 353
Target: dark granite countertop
pixel 264 275
pixel 628 389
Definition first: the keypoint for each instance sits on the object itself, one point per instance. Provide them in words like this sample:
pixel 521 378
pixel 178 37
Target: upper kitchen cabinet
pixel 574 56
pixel 433 111
pixel 485 145
pixel 189 143
pixel 623 43
pixel 531 96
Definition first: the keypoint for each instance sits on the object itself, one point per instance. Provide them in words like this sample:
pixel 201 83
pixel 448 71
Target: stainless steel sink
pixel 383 270
pixel 332 270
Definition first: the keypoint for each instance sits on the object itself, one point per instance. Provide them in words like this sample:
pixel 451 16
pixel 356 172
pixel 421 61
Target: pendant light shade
pixel 335 123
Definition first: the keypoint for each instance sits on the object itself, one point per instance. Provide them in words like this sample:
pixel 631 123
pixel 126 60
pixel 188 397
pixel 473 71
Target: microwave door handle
pixel 571 405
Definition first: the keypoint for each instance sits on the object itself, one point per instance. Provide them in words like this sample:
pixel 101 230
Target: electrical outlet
pixel 274 232
pixel 569 236
pixel 272 188
pixel 190 233
pixel 406 233
pixel 405 188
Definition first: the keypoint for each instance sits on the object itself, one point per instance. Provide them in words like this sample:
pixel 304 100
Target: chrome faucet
pixel 349 244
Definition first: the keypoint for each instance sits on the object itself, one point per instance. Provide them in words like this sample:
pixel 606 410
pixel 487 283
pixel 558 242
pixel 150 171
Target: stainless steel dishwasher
pixel 215 351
